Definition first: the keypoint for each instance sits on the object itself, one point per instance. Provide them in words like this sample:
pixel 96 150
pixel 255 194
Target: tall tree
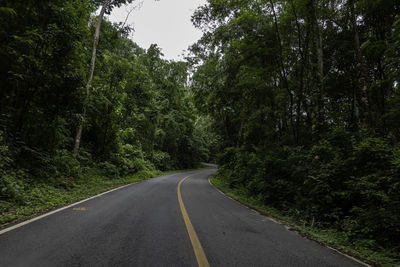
pixel 105 8
pixel 298 91
pixel 90 76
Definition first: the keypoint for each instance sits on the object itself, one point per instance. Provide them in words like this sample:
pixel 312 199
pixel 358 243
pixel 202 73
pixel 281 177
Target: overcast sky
pixel 165 23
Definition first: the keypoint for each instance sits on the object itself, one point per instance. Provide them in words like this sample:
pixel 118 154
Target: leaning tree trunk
pixel 90 77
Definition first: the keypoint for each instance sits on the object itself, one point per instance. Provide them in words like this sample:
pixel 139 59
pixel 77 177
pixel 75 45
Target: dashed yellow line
pixel 198 249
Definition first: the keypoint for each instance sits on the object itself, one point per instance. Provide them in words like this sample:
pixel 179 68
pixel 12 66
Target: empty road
pixel 165 221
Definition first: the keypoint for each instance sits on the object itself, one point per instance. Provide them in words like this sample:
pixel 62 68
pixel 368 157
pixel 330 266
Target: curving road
pixel 145 224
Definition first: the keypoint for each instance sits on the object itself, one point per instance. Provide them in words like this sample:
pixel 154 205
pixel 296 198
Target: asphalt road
pixel 142 225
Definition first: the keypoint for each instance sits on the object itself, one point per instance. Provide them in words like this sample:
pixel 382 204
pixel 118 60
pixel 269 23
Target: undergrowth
pixel 31 197
pixel 35 197
pixel 343 241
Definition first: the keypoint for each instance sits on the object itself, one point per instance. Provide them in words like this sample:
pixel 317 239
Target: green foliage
pixel 363 248
pixel 63 169
pixel 348 183
pixel 12 187
pixel 130 160
pixel 162 160
pixel 5 157
pixel 21 197
pixel 108 169
pixel 138 117
pixel 303 97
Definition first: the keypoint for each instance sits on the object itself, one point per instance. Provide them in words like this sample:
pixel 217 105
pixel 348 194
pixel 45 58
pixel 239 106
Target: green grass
pixel 40 197
pixel 361 249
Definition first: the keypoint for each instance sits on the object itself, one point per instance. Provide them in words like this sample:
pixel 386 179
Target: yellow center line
pixel 198 249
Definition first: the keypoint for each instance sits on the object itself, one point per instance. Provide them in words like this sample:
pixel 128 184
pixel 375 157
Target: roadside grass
pixel 41 197
pixel 364 250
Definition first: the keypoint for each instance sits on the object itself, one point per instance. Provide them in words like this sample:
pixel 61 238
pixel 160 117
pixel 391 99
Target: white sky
pixel 165 23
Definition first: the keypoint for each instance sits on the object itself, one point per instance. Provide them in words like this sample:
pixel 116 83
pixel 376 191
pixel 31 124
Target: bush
pixel 345 181
pixel 5 157
pixel 130 159
pixel 162 161
pixel 12 187
pixel 61 170
pixel 108 169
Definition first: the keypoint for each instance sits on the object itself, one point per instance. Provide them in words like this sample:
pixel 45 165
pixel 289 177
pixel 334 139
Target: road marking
pixel 80 208
pixel 198 249
pixel 58 210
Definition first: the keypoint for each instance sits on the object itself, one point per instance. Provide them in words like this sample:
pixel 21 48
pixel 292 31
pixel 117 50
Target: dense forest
pixel 298 101
pixel 304 97
pixel 137 113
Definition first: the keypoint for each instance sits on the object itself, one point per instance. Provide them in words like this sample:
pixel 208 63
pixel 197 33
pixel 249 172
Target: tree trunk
pixel 302 54
pixel 90 77
pixel 283 72
pixel 320 86
pixel 364 97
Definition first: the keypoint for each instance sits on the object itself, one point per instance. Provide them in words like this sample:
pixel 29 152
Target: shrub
pixel 162 160
pixel 12 187
pixel 130 159
pixel 108 169
pixel 345 181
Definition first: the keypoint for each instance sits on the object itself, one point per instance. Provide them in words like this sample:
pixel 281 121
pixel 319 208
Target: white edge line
pixel 60 209
pixel 238 201
pixel 348 256
pixel 10 228
pixel 275 221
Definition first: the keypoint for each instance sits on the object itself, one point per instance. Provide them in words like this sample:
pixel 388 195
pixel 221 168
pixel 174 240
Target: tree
pixel 91 71
pixel 299 93
pixel 106 8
